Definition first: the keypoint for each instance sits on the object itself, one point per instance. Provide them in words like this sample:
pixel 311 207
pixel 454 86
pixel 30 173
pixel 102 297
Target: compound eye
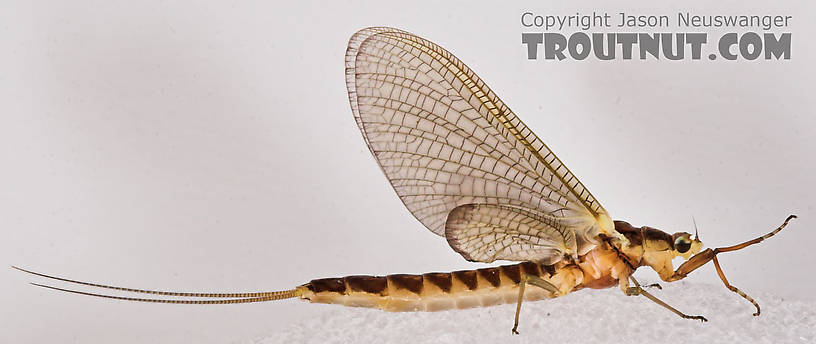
pixel 682 244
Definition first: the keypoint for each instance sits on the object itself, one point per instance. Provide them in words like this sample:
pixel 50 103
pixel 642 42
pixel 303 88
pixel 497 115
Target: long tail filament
pixel 226 298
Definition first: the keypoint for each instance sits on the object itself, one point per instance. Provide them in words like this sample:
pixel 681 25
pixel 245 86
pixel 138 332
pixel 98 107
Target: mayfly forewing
pixel 444 139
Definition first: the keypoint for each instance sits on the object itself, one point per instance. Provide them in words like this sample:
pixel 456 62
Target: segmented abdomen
pixel 441 290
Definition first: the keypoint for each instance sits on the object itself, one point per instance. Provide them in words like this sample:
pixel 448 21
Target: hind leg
pixel 536 281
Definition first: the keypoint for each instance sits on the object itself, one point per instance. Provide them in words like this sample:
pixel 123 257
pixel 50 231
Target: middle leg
pixel 638 290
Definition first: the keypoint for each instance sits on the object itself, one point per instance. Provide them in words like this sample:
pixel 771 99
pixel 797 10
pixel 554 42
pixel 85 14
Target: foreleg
pixel 704 257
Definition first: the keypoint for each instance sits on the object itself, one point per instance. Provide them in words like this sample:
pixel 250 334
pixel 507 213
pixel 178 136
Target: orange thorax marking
pixel 602 268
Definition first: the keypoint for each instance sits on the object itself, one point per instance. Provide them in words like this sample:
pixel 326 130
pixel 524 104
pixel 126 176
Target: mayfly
pixel 470 171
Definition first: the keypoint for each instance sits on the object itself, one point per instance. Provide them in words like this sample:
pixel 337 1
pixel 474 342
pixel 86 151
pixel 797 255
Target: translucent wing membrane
pixel 444 139
pixel 486 232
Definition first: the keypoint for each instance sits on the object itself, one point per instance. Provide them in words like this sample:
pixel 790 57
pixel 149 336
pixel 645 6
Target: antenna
pixel 696 236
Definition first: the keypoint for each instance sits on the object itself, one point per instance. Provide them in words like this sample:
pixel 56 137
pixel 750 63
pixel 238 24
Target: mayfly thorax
pixel 470 171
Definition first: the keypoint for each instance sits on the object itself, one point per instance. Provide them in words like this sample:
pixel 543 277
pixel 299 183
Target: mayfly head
pixel 686 245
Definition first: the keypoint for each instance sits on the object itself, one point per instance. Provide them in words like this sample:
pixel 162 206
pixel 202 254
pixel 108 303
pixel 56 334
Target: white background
pixel 179 146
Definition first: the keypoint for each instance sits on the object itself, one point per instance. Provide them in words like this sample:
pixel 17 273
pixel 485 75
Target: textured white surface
pixel 588 316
